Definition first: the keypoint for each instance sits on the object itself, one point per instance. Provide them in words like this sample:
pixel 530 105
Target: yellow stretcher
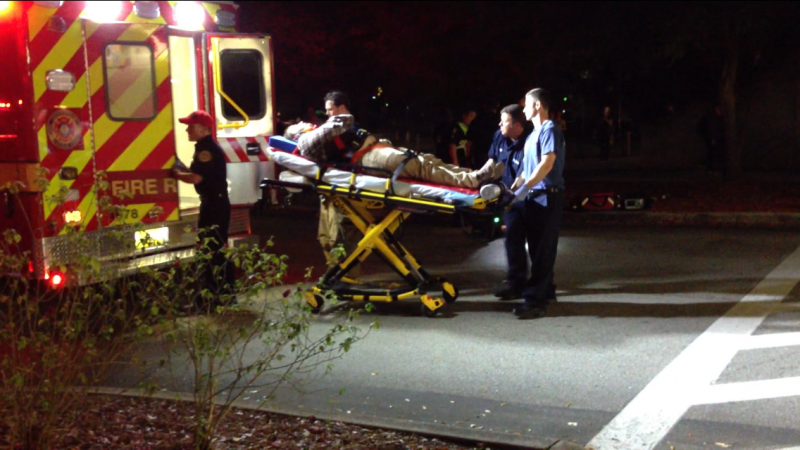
pixel 358 203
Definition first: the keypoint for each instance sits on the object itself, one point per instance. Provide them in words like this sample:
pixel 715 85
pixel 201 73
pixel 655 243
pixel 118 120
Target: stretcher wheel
pixel 431 305
pixel 427 312
pixel 449 292
pixel 315 301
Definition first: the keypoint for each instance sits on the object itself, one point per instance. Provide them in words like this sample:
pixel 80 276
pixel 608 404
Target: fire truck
pixel 97 87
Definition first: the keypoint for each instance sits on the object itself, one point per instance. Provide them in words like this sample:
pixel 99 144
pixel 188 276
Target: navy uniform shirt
pixel 508 152
pixel 209 163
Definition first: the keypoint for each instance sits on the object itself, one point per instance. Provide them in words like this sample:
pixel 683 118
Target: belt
pixel 538 192
pixel 212 197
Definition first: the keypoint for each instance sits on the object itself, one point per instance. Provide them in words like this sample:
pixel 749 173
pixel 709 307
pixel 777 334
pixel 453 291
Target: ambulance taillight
pixel 8 123
pixel 56 280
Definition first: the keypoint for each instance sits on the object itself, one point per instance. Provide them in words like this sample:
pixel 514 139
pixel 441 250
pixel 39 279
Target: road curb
pixel 777 221
pixel 490 439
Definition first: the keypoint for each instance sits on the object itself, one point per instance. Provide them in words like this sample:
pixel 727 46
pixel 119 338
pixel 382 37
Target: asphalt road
pixel 661 339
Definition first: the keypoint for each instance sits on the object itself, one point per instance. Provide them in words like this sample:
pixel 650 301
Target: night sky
pixel 645 59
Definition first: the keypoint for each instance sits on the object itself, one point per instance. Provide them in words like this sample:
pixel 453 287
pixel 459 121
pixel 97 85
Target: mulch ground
pixel 131 423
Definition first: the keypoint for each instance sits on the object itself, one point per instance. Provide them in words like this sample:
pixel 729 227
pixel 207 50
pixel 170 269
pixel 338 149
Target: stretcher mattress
pixel 304 171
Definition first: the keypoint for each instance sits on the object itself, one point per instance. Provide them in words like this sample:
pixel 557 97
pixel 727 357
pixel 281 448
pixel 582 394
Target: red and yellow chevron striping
pixel 125 90
pixel 121 103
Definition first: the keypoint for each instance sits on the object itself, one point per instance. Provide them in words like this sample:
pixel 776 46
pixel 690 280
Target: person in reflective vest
pixel 458 140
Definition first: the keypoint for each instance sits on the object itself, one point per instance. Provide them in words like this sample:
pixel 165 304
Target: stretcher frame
pixel 379 236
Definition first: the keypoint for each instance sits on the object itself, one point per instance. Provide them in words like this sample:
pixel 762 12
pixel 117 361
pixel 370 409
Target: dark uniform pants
pixel 216 212
pixel 517 257
pixel 542 224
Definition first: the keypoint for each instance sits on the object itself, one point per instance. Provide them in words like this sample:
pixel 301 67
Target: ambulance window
pixel 243 81
pixel 130 81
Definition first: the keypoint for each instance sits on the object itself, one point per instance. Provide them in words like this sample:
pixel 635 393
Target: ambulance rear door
pixel 240 86
pixel 132 117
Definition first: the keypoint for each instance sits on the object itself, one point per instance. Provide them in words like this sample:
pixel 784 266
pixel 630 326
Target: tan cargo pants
pixel 425 167
pixel 333 230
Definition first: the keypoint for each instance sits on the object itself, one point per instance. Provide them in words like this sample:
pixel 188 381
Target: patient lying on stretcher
pixel 332 142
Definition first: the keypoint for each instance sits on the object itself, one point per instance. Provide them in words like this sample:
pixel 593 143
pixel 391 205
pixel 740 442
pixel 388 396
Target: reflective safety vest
pixel 462 144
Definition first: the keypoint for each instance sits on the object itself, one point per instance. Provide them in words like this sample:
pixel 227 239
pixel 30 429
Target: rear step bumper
pixel 161 260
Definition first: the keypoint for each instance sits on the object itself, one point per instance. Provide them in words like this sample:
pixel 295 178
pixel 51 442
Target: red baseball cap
pixel 201 117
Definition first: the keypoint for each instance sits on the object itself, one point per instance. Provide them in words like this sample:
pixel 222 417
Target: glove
pixel 521 193
pixel 179 166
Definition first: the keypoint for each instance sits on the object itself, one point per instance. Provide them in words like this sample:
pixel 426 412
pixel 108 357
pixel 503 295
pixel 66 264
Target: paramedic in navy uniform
pixel 508 146
pixel 540 186
pixel 208 174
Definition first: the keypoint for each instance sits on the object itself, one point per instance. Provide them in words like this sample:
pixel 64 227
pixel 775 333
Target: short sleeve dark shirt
pixel 481 132
pixel 510 153
pixel 209 162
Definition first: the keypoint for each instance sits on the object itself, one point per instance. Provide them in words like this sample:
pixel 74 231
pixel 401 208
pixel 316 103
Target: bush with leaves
pixel 255 336
pixel 57 344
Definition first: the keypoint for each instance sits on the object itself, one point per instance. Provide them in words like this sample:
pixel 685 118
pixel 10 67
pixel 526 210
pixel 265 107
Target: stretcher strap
pixel 321 173
pixel 410 154
pixel 390 186
pixel 338 142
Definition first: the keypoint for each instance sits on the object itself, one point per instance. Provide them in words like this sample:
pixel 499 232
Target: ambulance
pixel 93 90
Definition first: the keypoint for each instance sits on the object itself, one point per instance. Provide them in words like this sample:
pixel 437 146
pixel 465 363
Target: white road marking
pixel 644 422
pixel 749 390
pixel 771 341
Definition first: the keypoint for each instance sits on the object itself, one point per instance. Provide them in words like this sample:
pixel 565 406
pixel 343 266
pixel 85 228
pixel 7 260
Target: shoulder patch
pixel 204 156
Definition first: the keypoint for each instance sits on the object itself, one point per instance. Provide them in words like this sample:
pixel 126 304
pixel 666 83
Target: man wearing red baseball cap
pixel 208 174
